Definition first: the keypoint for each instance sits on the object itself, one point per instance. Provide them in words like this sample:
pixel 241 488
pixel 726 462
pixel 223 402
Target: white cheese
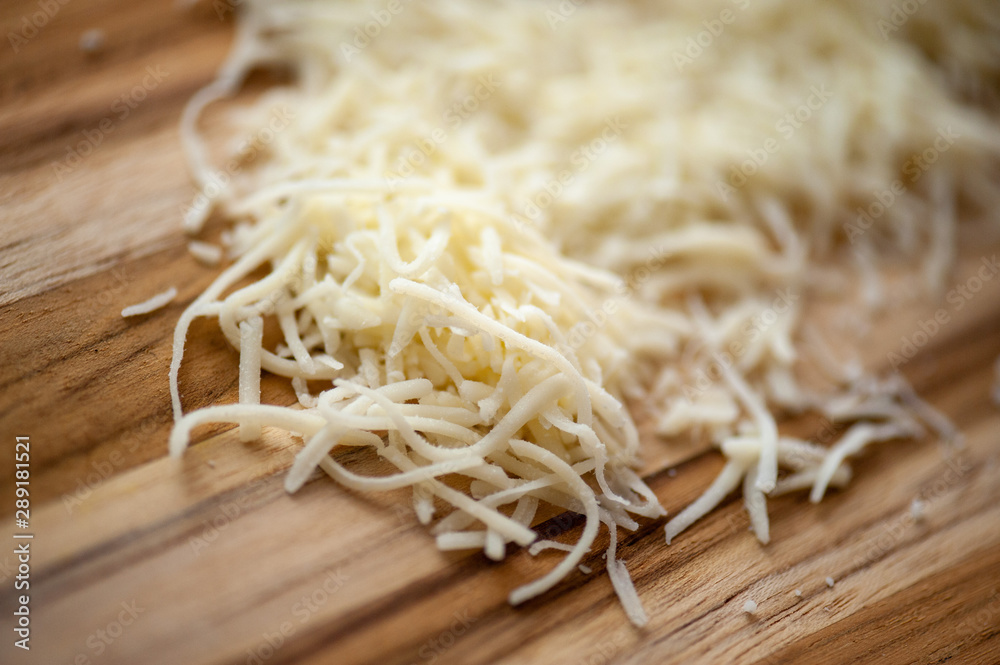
pixel 482 252
pixel 156 302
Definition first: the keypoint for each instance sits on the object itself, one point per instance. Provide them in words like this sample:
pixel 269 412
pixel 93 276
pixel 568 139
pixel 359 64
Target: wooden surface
pixel 219 565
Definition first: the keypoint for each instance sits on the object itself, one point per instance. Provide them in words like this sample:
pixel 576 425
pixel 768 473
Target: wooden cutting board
pixel 141 559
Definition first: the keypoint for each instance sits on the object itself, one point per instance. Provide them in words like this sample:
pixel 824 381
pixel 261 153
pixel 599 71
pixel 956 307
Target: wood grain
pixel 220 565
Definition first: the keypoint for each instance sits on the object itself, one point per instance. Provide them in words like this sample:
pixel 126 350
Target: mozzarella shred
pixel 205 252
pixel 477 235
pixel 251 343
pixel 159 301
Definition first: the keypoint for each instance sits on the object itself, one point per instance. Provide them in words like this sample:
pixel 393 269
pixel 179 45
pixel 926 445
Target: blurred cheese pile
pixel 485 225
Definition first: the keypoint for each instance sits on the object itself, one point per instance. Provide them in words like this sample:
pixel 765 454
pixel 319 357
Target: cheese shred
pixel 159 301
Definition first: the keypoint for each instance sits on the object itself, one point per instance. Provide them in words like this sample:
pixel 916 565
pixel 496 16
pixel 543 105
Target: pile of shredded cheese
pixel 491 222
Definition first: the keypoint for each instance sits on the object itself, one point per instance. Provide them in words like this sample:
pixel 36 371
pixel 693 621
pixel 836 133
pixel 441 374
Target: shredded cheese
pixel 490 224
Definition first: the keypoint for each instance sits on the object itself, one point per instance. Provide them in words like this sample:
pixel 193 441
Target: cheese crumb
pixel 829 582
pixel 750 607
pixel 996 383
pixel 92 41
